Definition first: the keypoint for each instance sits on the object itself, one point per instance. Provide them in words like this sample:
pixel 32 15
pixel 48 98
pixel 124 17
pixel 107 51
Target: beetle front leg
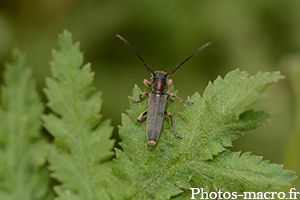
pixel 182 101
pixel 140 97
pixel 147 83
pixel 142 117
pixel 171 121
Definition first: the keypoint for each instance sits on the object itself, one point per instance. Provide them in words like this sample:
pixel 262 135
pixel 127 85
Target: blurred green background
pixel 251 35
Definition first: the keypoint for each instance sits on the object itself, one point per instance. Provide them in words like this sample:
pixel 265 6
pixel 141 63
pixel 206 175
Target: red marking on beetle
pixel 159 85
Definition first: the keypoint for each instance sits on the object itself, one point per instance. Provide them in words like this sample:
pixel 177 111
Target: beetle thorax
pixel 159 82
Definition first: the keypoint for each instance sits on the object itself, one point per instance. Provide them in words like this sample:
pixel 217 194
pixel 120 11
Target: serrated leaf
pixel 207 127
pixel 22 152
pixel 236 172
pixel 79 158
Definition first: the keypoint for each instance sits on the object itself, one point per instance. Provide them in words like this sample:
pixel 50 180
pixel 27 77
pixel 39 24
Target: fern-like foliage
pixel 22 150
pixel 207 127
pixel 82 146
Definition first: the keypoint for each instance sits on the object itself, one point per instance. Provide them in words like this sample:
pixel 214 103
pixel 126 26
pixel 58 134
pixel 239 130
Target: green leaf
pixel 235 172
pixel 207 127
pixel 79 158
pixel 22 152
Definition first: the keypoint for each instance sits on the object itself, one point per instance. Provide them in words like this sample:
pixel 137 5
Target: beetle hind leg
pixel 142 117
pixel 171 121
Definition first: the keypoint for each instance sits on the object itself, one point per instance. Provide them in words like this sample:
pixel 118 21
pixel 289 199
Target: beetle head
pixel 159 82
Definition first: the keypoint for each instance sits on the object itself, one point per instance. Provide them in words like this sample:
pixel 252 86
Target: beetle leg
pixel 140 97
pixel 146 82
pixel 172 129
pixel 142 117
pixel 169 82
pixel 173 96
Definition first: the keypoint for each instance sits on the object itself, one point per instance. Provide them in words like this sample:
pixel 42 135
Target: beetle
pixel 158 98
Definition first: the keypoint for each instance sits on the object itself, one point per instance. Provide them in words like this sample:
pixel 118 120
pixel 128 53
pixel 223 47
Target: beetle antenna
pixel 128 44
pixel 202 47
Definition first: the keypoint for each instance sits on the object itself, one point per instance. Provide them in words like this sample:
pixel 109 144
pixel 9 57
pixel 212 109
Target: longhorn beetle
pixel 158 98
